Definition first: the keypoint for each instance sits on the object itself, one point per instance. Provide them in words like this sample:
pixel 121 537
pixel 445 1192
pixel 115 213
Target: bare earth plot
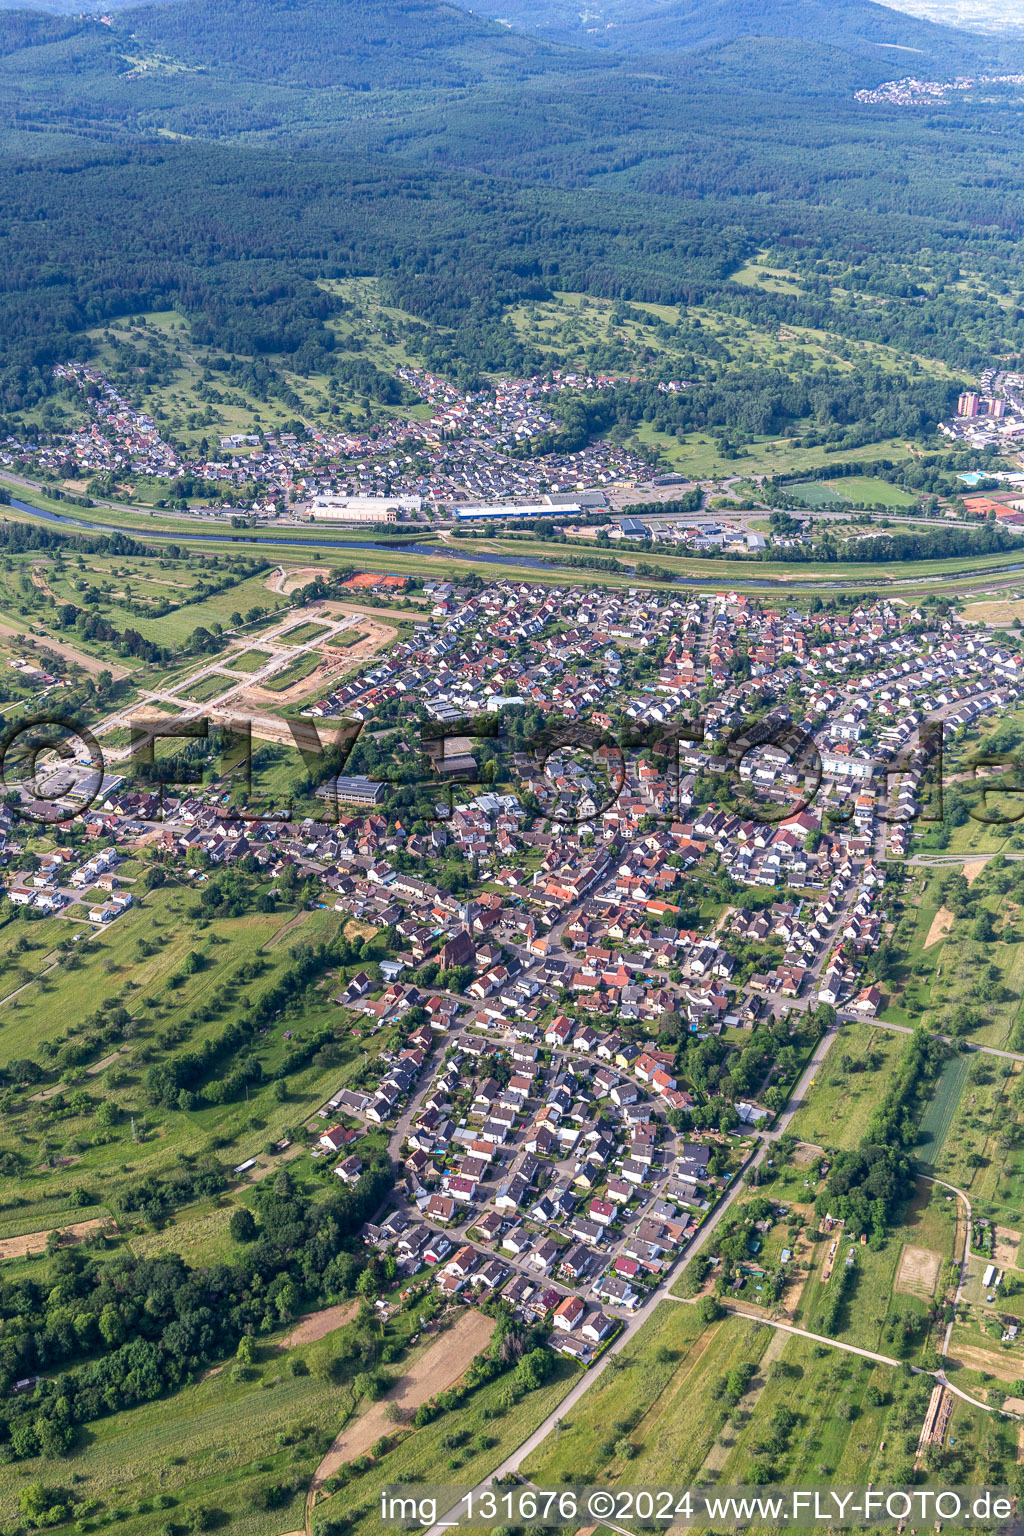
pixel 995 613
pixel 435 1370
pixel 973 868
pixel 1004 1367
pixel 313 684
pixel 1006 1248
pixel 918 1271
pixel 291 580
pixel 35 1242
pixel 942 924
pixel 317 1325
pixel 374 638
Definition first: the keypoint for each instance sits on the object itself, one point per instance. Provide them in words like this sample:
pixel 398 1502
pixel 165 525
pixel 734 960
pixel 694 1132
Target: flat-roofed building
pixel 353 789
pixel 361 509
pixel 500 513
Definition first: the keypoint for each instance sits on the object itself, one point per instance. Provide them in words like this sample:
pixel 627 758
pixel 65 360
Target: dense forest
pixel 218 159
pixel 122 1330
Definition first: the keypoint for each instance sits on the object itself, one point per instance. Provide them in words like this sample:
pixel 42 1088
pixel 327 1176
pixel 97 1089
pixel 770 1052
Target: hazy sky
pixel 987 15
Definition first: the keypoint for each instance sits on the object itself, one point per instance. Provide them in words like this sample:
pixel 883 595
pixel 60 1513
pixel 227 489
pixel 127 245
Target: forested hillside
pixel 358 44
pixel 655 26
pixel 224 159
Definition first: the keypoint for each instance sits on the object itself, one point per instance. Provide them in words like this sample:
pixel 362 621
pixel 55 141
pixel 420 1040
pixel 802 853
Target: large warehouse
pixel 498 514
pixel 362 509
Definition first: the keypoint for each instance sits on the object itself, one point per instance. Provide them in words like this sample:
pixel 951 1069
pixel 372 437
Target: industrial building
pixel 528 513
pixel 362 509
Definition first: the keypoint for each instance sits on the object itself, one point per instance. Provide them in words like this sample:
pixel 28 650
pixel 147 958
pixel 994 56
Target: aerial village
pixel 617 903
pixel 463 450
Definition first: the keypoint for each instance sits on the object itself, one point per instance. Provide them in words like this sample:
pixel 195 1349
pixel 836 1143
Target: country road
pixel 984 1050
pixel 961 1195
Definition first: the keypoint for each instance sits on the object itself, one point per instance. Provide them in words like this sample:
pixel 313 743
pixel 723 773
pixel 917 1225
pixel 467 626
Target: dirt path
pixel 292 923
pixel 101 1066
pixel 435 1370
pixel 285 580
pixel 717 1456
pixel 41 584
pixel 43 643
pixel 317 1325
pixel 35 1242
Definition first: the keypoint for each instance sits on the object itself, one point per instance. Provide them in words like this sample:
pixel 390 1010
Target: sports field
pixel 861 490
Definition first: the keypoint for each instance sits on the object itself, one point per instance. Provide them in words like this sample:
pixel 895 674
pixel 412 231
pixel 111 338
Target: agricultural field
pixel 981 1151
pixel 847 1086
pixel 958 960
pixel 882 1306
pixel 239 597
pixel 246 1441
pixel 162 979
pixel 941 1111
pixel 227 1439
pixel 827 1416
pixel 170 598
pixel 987 1355
pixel 462 1446
pixel 655 1413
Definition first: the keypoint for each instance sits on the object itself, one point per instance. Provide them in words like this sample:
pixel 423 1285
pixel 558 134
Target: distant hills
pixel 304 45
pixel 361 44
pixel 1006 16
pixel 373 44
pixel 302 41
pixel 668 26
